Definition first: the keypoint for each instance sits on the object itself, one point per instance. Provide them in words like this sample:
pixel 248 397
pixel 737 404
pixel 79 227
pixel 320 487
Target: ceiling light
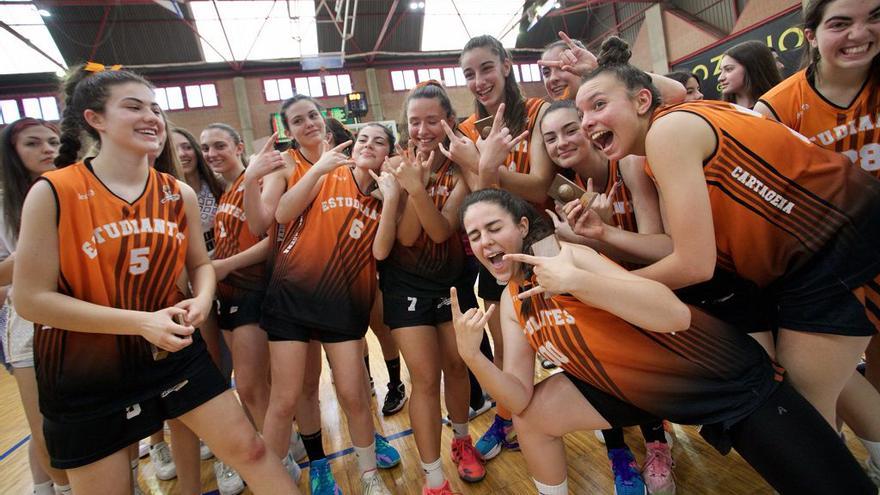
pixel 44 12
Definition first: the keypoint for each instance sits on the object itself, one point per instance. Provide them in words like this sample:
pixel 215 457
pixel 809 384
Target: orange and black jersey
pixel 708 374
pixel 325 275
pixel 623 214
pixel 281 234
pixel 427 268
pixel 776 198
pixel 518 158
pixel 853 130
pixel 118 254
pixel 232 237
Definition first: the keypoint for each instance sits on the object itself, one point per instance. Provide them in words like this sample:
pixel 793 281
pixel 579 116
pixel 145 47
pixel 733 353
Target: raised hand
pixel 461 150
pixel 265 162
pixel 413 173
pixel 469 326
pixel 563 229
pixel 499 143
pixel 584 222
pixel 332 158
pixel 603 204
pixel 553 275
pixel 388 185
pixel 574 59
pixel 160 329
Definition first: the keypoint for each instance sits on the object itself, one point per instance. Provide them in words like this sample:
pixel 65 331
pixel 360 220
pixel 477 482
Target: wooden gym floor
pixel 699 468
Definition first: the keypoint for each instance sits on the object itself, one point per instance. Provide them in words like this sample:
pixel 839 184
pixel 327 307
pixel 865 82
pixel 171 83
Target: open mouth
pixel 558 91
pixel 484 93
pixel 496 260
pixel 148 132
pixel 602 139
pixel 856 50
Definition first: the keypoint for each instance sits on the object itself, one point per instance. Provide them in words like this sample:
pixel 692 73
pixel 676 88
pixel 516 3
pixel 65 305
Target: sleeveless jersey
pixel 281 234
pixel 118 254
pixel 853 130
pixel 518 158
pixel 207 211
pixel 232 237
pixel 325 276
pixel 624 216
pixel 427 268
pixel 776 198
pixel 707 374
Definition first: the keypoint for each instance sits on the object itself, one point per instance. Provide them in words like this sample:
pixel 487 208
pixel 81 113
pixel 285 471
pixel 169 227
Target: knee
pixel 427 384
pixel 250 391
pixel 247 448
pixel 283 405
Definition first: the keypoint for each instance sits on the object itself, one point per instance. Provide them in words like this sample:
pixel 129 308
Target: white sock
pixel 366 457
pixel 44 488
pixel 560 489
pixel 459 430
pixel 434 474
pixel 873 449
pixel 63 490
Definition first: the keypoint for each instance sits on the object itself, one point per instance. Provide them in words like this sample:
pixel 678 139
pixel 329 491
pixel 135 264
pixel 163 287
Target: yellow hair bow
pixel 96 67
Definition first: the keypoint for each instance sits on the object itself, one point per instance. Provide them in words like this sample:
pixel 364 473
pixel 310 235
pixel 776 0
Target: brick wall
pixel 683 37
pixel 758 10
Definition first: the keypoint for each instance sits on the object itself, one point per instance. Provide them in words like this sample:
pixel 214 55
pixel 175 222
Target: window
pixel 191 96
pixel 38 107
pixel 527 73
pixel 403 80
pixel 314 86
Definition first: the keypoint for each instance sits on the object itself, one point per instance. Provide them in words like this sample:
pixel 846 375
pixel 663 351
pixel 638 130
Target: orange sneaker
pixel 440 490
pixel 468 459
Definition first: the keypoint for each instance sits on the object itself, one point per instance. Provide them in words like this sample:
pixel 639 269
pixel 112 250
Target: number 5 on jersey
pixel 139 261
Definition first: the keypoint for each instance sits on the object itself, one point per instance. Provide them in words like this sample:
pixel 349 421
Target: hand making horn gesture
pixel 553 274
pixel 574 59
pixel 265 162
pixel 499 143
pixel 603 204
pixel 413 173
pixel 469 326
pixel 387 184
pixel 332 158
pixel 461 150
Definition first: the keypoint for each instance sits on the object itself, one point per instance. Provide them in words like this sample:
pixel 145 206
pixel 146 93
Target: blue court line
pixel 15 447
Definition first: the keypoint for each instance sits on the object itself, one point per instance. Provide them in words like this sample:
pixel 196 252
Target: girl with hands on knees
pixel 690 367
pixel 94 344
pixel 427 259
pixel 341 230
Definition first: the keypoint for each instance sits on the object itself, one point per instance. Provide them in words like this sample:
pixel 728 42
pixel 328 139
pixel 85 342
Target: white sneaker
pixel 163 463
pixel 143 448
pixel 204 451
pixel 292 467
pixel 372 484
pixel 297 447
pixel 228 481
pixel 873 471
pixel 599 436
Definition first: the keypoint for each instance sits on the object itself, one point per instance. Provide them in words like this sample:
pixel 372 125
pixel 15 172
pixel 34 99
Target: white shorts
pixel 18 339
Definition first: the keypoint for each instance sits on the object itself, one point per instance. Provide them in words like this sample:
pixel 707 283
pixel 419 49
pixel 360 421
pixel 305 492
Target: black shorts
pixel 278 330
pixel 243 309
pixel 734 300
pixel 414 311
pixel 617 412
pixel 76 444
pixel 487 287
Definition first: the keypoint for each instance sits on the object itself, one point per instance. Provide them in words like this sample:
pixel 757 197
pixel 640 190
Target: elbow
pixel 381 252
pixel 25 307
pixel 281 218
pixel 680 317
pixel 255 229
pixel 440 237
pixel 701 271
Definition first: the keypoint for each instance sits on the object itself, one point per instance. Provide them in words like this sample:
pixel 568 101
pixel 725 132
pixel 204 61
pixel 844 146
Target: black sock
pixel 653 432
pixel 314 445
pixel 614 439
pixel 393 366
pixel 367 364
pixel 477 399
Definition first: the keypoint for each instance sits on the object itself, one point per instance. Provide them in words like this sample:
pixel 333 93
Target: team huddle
pixel 684 261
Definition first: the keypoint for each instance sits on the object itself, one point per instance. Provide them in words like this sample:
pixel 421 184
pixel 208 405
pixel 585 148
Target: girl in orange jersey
pixel 793 226
pixel 524 170
pixel 835 101
pixel 631 352
pixel 28 148
pixel 322 288
pixel 102 244
pixel 427 259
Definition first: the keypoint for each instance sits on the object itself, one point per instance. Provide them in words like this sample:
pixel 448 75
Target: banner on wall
pixel 784 33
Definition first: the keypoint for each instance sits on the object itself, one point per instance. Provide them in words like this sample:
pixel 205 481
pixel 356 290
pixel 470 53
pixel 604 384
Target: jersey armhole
pixel 57 201
pixel 770 107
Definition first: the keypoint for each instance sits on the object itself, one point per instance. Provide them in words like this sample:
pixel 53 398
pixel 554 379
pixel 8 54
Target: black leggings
pixel 792 447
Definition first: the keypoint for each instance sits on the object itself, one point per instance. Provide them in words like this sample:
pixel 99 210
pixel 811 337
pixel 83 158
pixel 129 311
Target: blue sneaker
pixel 500 434
pixel 386 455
pixel 321 481
pixel 627 480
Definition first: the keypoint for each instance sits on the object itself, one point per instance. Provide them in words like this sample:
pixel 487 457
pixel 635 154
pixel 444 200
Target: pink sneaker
pixel 440 490
pixel 657 471
pixel 470 464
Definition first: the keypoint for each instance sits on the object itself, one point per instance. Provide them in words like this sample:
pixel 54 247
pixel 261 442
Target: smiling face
pixel 612 118
pixel 733 76
pixel 37 147
pixel 485 75
pixel 185 152
pixel 564 139
pixel 493 232
pixel 305 123
pixel 560 84
pixel 848 36
pixel 220 150
pixel 424 118
pixel 131 119
pixel 371 148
